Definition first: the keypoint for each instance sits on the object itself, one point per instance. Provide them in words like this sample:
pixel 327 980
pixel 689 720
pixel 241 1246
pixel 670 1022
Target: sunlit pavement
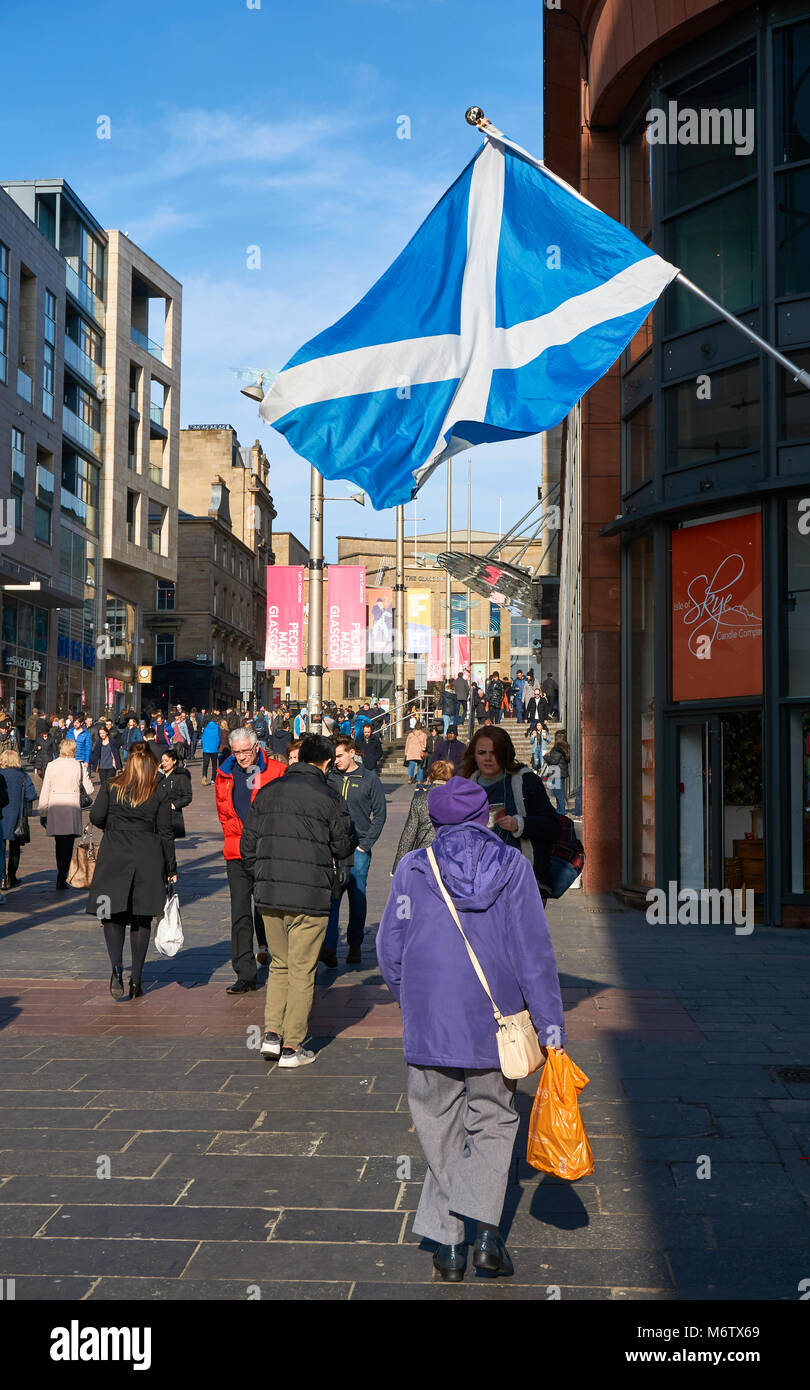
pixel 225 1175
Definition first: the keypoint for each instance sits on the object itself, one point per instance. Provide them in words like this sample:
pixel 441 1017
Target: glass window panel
pixel 699 430
pixel 793 93
pixel 797 599
pixel 9 620
pixel 42 523
pixel 716 246
pixel 40 629
pixel 799 794
pixel 721 103
pixel 642 725
pixel 792 195
pixel 794 401
pixel 639 463
pixel 25 625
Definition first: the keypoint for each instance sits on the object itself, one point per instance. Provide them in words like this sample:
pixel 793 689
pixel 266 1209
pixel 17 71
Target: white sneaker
pixel 301 1058
pixel 271 1047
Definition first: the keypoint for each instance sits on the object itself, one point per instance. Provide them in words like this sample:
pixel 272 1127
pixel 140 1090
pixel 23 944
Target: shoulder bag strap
pixel 473 957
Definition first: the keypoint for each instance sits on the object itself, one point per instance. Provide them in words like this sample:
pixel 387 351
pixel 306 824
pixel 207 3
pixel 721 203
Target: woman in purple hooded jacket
pixel 461 1104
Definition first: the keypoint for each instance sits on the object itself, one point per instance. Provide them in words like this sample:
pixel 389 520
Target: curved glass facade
pixel 716 473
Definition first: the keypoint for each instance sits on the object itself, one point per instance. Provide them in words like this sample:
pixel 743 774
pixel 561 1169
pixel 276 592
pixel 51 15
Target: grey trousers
pixel 466 1123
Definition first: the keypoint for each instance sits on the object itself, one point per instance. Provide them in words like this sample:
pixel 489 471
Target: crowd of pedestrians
pixel 301 811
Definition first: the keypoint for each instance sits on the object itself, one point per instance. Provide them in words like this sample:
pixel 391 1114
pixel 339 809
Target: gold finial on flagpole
pixel 475 116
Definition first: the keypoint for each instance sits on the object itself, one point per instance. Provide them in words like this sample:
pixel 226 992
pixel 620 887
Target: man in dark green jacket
pixel 361 791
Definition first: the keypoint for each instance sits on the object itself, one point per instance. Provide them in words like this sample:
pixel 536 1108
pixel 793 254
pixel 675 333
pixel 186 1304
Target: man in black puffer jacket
pixel 297 829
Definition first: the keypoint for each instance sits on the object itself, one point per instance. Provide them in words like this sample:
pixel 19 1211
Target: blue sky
pixel 274 127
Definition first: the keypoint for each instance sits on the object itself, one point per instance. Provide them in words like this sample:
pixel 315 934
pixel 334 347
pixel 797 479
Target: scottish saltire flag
pixel 514 296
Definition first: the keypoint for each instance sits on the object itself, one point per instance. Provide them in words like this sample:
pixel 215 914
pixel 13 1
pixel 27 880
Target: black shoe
pixel 451 1262
pixel 135 991
pixel 60 886
pixel 13 882
pixel 355 956
pixel 490 1253
pixel 241 987
pixel 328 957
pixel 117 982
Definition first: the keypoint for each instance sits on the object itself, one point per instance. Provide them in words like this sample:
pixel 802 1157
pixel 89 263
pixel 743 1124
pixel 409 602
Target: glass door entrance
pixel 720 803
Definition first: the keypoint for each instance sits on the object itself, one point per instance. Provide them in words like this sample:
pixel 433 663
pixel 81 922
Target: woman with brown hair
pixel 135 862
pixel 520 811
pixel 418 830
pixel 559 757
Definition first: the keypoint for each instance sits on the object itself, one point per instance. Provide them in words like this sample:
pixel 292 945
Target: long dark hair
pixel 502 745
pixel 138 779
pixel 560 741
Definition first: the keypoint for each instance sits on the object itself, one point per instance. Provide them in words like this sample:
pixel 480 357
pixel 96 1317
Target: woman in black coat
pixel 174 782
pixel 135 863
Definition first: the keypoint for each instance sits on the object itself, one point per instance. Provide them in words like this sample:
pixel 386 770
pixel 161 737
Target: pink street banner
pixel 346 624
pixel 435 661
pixel 284 650
pixel 461 654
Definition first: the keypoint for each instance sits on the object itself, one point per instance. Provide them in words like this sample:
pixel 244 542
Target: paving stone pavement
pixel 147 1151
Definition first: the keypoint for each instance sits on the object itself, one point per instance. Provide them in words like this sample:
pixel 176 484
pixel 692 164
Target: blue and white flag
pixel 515 295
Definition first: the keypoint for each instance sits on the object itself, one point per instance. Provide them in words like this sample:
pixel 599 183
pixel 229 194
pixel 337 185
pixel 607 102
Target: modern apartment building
pixel 39 594
pixel 202 626
pixel 109 356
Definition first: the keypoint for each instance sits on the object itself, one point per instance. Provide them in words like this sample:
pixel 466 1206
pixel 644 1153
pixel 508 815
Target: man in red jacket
pixel 239 778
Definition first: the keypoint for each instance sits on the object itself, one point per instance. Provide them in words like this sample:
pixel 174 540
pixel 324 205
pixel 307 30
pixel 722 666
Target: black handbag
pixel 22 834
pixel 85 799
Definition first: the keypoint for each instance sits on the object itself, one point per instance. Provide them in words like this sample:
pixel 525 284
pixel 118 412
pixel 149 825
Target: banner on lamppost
pixel 380 621
pixel 346 641
pixel 461 653
pixel 284 648
pixel 435 662
pixel 417 642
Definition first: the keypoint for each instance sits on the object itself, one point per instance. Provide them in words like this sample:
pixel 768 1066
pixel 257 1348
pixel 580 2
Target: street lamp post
pixel 399 630
pixel 315 596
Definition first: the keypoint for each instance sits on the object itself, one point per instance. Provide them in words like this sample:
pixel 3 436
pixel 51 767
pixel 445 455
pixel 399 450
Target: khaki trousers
pixel 294 940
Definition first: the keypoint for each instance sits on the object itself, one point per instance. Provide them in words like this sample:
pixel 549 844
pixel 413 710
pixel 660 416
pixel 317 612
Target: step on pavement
pixel 148 1152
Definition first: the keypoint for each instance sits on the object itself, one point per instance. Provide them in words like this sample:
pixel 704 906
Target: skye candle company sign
pixel 717 609
pixel 346 643
pixel 284 650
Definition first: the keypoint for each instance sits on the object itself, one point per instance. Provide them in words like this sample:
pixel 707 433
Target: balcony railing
pixel 25 386
pixel 133 400
pixel 84 294
pixel 154 541
pixel 72 505
pixel 79 361
pixel 156 414
pixel 83 433
pixel 142 341
pixel 131 462
pixel 155 474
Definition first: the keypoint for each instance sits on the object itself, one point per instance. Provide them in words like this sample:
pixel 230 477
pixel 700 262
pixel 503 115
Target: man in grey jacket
pixel 362 792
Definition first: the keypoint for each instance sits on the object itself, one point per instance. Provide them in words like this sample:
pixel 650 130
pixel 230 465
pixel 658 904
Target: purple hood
pixel 447 1019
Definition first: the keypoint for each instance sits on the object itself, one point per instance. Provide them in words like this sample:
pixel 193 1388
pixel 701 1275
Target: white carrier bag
pixel 169 935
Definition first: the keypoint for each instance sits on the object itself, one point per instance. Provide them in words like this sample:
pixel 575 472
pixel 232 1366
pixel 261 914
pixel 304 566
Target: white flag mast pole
pixel 475 117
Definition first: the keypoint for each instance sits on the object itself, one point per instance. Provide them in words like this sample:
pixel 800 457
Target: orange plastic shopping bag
pixel 557 1140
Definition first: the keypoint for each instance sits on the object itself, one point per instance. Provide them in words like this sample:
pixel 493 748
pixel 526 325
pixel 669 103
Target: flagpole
pixel 448 636
pixel 399 628
pixel 315 597
pixel 795 371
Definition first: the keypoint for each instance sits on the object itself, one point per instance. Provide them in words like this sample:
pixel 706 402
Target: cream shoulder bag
pixel 518 1044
